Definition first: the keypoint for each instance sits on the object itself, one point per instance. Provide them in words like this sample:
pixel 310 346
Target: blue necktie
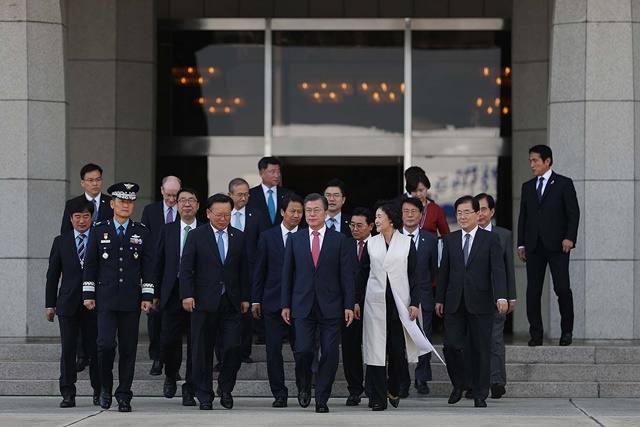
pixel 539 189
pixel 272 207
pixel 465 249
pixel 221 250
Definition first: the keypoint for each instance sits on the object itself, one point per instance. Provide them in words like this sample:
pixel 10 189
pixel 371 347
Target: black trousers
pixel 387 380
pixel 124 325
pixel 83 323
pixel 558 261
pixel 154 329
pixel 275 332
pixel 205 326
pixel 247 333
pixel 466 333
pixel 351 339
pixel 176 322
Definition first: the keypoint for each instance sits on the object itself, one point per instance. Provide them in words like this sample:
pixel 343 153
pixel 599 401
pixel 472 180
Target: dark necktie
pixel 333 223
pixel 286 238
pixel 465 248
pixel 121 234
pixel 315 247
pixel 360 248
pixel 539 189
pixel 414 241
pixel 169 216
pixel 95 210
pixel 81 248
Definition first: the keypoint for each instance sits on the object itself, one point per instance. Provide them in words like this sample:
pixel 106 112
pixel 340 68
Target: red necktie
pixel 360 247
pixel 315 247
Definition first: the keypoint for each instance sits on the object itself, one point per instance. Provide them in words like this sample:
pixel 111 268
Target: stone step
pixel 516 372
pixel 253 388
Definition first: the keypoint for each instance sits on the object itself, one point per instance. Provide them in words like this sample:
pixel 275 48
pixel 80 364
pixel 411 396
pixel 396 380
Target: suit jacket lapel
pixel 73 249
pixel 548 187
pixel 213 243
pixel 279 241
pixel 475 246
pixel 232 241
pixel 307 241
pixel 328 238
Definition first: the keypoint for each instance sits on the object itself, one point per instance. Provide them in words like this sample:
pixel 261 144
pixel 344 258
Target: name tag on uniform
pixel 105 241
pixel 135 240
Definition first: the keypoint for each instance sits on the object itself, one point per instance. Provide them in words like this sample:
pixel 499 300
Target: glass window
pixel 461 84
pixel 337 83
pixel 213 81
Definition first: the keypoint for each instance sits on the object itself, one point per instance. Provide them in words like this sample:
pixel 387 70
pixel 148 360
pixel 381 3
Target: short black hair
pixel 413 170
pixel 89 167
pixel 187 190
pixel 266 161
pixel 412 201
pixel 468 199
pixel 237 181
pixel 490 200
pixel 392 211
pixel 284 204
pixel 544 151
pixel 80 205
pixel 365 212
pixel 219 198
pixel 315 196
pixel 336 183
pixel 416 178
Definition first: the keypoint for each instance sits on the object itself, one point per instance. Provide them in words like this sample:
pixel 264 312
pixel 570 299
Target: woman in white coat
pixel 388 284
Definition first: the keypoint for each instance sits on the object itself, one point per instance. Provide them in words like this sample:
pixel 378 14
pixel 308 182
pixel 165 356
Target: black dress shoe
pixel 124 406
pixel 170 387
pixel 394 401
pixel 304 398
pixel 403 394
pixel 260 341
pixel 156 368
pixel 96 397
pixel 423 388
pixel 280 402
pixel 497 391
pixel 353 400
pixel 68 402
pixel 322 408
pixel 535 342
pixel 247 359
pixel 187 397
pixel 479 403
pixel 468 394
pixel 206 406
pixel 105 398
pixel 216 367
pixel 455 396
pixel 378 407
pixel 566 339
pixel 226 400
pixel 81 363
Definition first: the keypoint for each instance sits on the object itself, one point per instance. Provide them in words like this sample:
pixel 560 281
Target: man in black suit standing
pixel 427 256
pixel 471 283
pixel 337 220
pixel 267 196
pixel 251 222
pixel 266 294
pixel 547 231
pixel 317 292
pixel 175 320
pixel 67 261
pixel 361 225
pixel 498 363
pixel 91 181
pixel 214 287
pixel 118 274
pixel 155 216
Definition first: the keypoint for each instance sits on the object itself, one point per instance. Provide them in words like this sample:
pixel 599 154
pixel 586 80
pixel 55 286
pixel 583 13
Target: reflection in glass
pixel 216 82
pixel 342 83
pixel 461 84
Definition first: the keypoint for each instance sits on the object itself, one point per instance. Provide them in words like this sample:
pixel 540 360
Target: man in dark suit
pixel 427 256
pixel 266 294
pixel 155 216
pixel 362 222
pixel 214 287
pixel 471 283
pixel 498 363
pixel 251 222
pixel 91 182
pixel 267 196
pixel 66 261
pixel 547 231
pixel 317 292
pixel 336 220
pixel 175 319
pixel 118 274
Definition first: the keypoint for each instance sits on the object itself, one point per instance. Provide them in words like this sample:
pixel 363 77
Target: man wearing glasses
pixel 336 219
pixel 155 216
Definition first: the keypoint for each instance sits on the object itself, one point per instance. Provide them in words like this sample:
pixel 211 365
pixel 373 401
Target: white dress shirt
pixel 266 189
pixel 285 232
pixel 416 235
pixel 322 232
pixel 225 238
pixel 96 206
pixel 547 177
pixel 182 232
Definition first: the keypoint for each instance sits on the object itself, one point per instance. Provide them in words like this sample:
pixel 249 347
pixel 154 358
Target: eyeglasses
pixel 217 215
pixel 184 201
pixel 484 209
pixel 170 196
pixel 333 195
pixel 410 211
pixel 464 214
pixel 92 180
pixel 357 226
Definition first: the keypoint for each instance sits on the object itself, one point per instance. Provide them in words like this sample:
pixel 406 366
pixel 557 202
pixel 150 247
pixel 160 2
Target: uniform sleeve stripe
pixel 147 290
pixel 88 289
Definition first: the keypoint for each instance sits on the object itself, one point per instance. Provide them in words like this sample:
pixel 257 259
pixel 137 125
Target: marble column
pixel 33 111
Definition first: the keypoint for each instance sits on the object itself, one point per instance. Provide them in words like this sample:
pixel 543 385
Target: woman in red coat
pixel 433 217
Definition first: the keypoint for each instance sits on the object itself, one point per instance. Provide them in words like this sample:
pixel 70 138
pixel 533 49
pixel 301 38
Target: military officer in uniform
pixel 118 284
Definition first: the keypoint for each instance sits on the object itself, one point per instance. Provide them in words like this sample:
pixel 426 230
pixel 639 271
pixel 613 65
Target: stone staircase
pixel 605 369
